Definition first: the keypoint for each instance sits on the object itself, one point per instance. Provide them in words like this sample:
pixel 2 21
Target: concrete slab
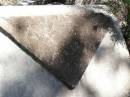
pixel 62 40
pixel 107 75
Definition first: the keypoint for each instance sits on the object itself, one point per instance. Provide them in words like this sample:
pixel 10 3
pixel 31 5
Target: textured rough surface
pixel 64 43
pixel 107 75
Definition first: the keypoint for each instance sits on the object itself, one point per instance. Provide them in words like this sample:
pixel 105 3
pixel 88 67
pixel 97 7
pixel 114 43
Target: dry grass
pixel 8 2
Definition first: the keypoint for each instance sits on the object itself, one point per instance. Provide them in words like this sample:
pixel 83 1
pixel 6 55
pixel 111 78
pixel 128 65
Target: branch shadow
pixel 35 84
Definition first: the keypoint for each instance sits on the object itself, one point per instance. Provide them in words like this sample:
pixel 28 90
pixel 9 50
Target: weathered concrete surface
pixel 107 75
pixel 63 41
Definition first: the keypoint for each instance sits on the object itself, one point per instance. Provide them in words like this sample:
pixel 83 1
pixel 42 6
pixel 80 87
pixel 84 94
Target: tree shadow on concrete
pixel 34 84
pixel 89 90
